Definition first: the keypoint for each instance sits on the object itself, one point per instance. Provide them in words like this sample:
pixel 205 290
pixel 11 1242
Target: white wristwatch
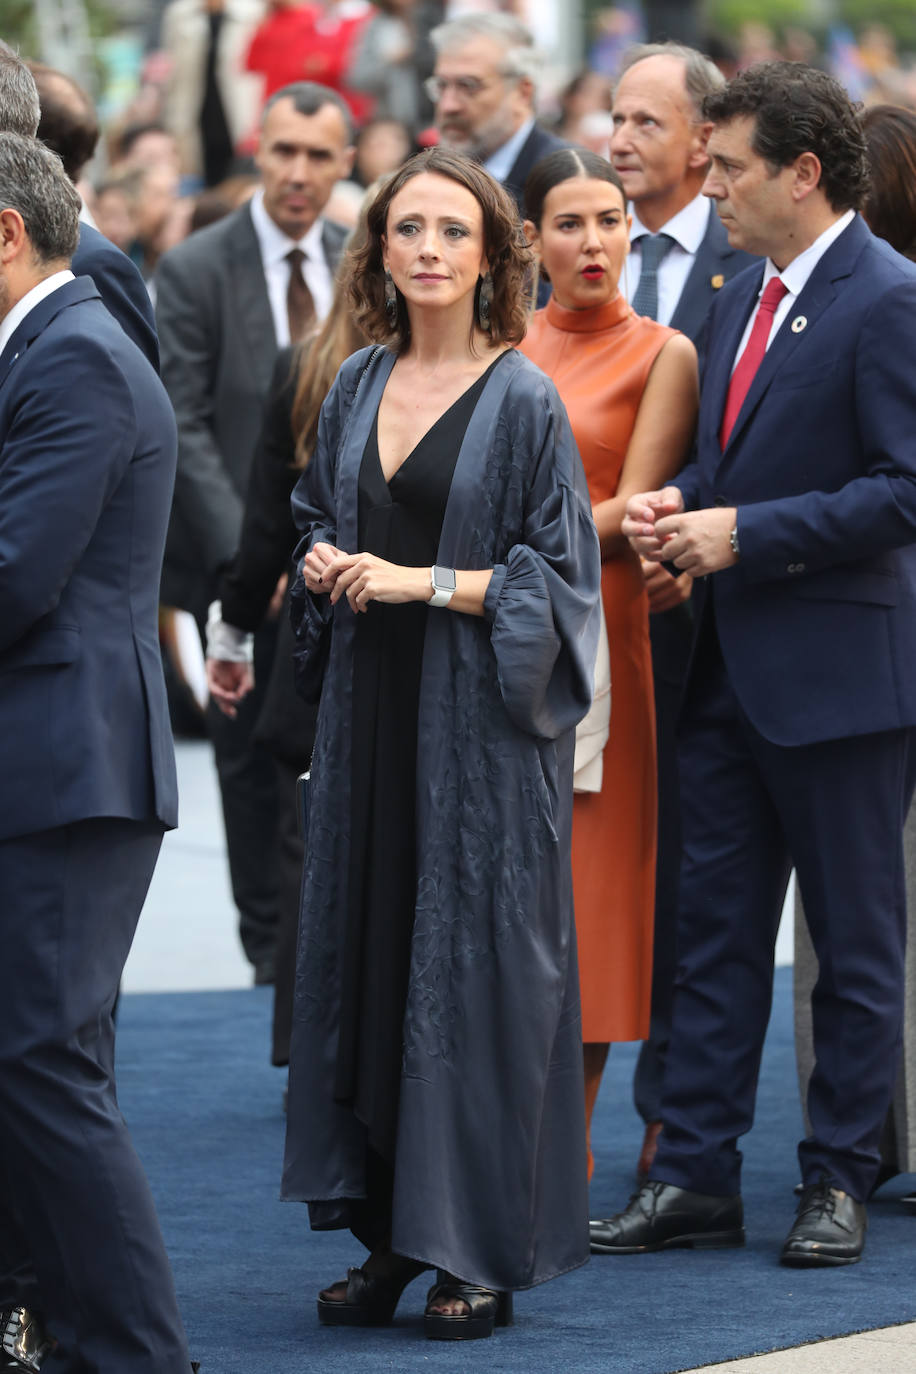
pixel 444 583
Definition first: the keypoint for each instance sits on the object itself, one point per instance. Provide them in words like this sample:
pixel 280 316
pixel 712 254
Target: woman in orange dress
pixel 630 387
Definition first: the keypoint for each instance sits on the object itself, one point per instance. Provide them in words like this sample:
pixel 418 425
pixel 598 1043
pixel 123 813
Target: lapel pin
pixel 717 282
pixel 798 324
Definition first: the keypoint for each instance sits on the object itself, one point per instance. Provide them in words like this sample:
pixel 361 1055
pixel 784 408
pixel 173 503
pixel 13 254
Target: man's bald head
pixel 658 144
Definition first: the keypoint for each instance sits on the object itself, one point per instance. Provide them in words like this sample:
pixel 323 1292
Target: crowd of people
pixel 545 500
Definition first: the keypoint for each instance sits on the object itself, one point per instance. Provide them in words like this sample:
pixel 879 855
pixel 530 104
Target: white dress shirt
pixel 28 302
pixel 794 279
pixel 500 164
pixel 275 245
pixel 688 229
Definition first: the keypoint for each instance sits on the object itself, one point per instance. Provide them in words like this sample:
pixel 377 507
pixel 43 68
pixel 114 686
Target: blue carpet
pixel 205 1110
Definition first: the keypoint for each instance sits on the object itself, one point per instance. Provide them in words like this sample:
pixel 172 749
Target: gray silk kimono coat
pixel 489 1179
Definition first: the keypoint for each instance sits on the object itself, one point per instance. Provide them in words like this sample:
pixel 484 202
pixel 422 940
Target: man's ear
pixel 807 168
pixel 346 161
pixel 12 234
pixel 526 88
pixel 698 158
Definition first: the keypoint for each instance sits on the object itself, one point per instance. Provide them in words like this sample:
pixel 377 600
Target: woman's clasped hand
pixel 363 577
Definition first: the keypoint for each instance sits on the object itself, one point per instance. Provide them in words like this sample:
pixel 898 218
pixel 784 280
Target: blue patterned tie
pixel 653 248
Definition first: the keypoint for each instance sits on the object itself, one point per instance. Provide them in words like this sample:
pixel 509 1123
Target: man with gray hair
pixel 484 88
pixel 87 459
pixel 19 107
pixel 679 260
pixel 679 253
pixel 119 283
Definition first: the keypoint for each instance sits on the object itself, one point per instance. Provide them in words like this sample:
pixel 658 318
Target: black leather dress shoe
pixel 829 1228
pixel 24 1342
pixel 662 1217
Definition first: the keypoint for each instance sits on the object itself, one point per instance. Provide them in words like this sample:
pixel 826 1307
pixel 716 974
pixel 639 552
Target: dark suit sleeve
pixel 872 513
pixel 188 327
pixel 121 288
pixel 687 482
pixel 268 533
pixel 70 440
pixel 333 238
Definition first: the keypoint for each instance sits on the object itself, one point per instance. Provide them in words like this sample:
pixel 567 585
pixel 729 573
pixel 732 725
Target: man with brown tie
pixel 227 299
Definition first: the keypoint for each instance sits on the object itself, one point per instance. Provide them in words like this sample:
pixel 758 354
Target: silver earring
pixel 391 299
pixel 484 301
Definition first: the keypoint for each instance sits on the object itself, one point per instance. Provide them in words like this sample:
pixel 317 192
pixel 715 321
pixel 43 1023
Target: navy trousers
pixel 79 1237
pixel 750 810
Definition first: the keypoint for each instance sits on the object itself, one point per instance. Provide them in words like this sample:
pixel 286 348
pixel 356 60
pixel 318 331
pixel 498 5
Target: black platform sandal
pixel 370 1299
pixel 486 1309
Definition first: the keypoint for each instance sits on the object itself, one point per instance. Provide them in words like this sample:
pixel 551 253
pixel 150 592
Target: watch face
pixel 444 579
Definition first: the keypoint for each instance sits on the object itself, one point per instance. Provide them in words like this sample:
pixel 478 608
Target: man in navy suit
pixel 87 461
pixel 680 258
pixel 68 126
pixel 797 738
pixel 63 118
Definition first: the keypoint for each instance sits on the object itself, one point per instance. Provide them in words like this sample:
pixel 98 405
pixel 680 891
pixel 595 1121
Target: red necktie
pixel 747 365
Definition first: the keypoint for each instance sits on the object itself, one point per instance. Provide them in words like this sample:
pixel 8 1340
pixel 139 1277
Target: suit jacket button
pixel 720 501
pixel 799 567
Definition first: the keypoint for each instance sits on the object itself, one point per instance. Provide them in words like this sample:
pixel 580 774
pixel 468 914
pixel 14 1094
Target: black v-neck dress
pixel 401 521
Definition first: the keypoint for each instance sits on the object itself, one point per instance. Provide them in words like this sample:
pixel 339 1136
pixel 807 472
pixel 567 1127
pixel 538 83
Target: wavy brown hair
pixel 504 245
pixel 318 358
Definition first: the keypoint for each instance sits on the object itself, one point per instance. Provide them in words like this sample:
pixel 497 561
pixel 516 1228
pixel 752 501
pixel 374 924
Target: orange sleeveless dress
pixel 600 360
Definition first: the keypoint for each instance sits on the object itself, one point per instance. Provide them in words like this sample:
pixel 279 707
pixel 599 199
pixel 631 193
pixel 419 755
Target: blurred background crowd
pixel 179 85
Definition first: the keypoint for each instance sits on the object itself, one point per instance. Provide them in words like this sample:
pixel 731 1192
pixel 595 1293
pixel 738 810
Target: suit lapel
pixel 537 145
pixel 40 316
pixel 333 238
pixel 711 267
pixel 250 302
pixel 742 299
pixel 815 299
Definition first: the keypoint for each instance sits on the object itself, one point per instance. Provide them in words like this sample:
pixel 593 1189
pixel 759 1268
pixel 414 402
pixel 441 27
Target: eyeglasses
pixel 466 86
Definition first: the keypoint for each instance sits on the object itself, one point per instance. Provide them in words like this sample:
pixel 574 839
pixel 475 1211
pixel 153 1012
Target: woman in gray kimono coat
pixel 448 598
